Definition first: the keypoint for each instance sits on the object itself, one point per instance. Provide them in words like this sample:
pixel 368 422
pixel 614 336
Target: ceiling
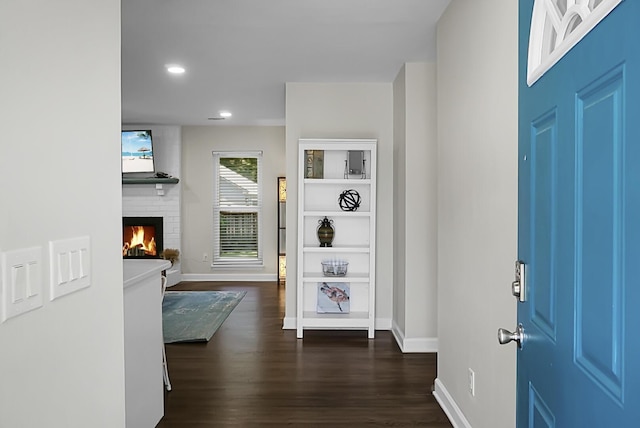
pixel 238 54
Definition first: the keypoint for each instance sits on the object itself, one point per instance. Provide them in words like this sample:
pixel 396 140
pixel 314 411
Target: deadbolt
pixel 518 288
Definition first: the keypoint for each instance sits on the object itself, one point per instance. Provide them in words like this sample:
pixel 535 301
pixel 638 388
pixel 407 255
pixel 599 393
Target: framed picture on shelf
pixel 333 298
pixel 314 164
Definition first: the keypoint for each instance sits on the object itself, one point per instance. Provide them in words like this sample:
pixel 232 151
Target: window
pixel 237 209
pixel 557 26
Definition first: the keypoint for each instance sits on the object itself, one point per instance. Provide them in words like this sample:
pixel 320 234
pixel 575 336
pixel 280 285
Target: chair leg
pixel 167 382
pixel 165 368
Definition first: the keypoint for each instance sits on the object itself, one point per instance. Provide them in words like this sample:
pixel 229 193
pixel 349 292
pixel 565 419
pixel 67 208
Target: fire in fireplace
pixel 142 237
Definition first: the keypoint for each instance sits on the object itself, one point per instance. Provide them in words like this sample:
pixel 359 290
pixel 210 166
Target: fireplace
pixel 142 237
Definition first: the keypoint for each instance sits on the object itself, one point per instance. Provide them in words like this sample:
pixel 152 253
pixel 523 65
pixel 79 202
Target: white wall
pixel 415 216
pixel 477 209
pixel 343 110
pixel 62 365
pixel 198 143
pixel 399 203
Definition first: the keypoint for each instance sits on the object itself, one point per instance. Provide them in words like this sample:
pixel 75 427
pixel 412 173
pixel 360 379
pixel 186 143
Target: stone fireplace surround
pixel 160 200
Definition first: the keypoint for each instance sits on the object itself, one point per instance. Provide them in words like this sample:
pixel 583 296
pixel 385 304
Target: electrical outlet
pixel 472 383
pixel 205 257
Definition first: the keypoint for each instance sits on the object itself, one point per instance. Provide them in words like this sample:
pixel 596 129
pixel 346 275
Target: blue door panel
pixel 540 416
pixel 543 141
pixel 579 230
pixel 599 223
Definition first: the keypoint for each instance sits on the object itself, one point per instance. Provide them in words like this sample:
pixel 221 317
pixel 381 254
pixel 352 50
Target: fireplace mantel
pixel 150 180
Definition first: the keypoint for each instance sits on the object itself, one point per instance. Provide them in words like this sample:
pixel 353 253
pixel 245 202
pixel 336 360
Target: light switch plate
pixel 70 265
pixel 21 282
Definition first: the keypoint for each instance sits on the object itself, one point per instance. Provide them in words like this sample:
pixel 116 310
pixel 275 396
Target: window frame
pixel 217 209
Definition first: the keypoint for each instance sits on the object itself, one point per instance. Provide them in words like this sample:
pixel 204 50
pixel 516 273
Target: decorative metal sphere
pixel 349 200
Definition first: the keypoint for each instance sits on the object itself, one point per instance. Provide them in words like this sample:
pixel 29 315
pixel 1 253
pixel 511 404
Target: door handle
pixel 505 336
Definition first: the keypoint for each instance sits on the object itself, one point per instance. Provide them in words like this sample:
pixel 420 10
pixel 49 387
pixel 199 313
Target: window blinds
pixel 237 209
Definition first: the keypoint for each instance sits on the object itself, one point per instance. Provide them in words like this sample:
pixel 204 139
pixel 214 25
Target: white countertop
pixel 136 270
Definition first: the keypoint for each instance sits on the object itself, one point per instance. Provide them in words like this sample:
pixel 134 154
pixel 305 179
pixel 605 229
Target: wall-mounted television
pixel 137 152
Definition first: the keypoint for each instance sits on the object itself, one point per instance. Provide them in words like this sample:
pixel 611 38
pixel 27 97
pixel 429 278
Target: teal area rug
pixel 194 316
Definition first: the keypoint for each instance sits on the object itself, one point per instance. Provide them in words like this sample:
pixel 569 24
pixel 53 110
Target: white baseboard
pixel 451 409
pixel 414 345
pixel 383 324
pixel 257 277
pixel 289 323
pixel 173 277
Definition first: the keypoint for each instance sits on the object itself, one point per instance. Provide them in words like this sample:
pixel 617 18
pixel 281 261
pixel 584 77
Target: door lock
pixel 518 287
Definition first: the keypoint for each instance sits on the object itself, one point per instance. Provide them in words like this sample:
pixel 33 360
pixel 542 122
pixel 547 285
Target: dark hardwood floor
pixel 253 374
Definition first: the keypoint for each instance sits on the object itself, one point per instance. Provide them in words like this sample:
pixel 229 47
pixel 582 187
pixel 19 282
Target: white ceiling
pixel 239 54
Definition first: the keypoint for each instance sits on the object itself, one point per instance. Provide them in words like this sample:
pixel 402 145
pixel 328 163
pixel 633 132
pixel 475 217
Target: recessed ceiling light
pixel 175 69
pixel 222 115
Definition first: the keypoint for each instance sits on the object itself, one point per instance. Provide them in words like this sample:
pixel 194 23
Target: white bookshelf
pixel 354 235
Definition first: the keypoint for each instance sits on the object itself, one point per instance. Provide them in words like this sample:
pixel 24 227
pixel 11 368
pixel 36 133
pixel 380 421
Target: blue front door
pixel 579 229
